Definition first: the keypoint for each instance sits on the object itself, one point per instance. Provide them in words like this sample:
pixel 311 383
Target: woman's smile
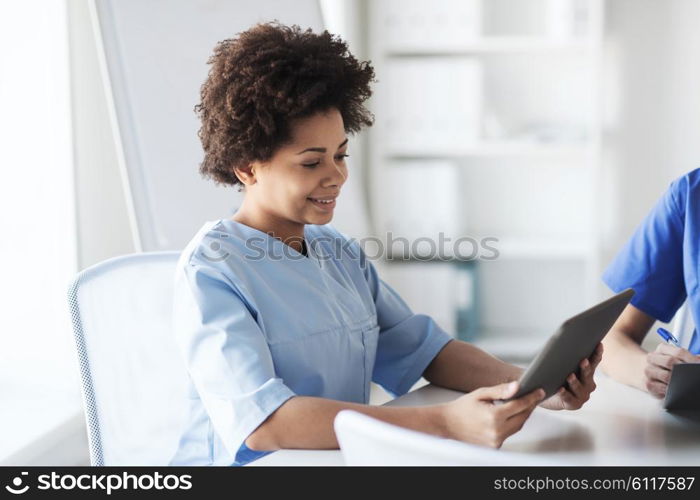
pixel 325 204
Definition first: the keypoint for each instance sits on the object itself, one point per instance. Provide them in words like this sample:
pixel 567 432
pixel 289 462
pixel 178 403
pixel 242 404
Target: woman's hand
pixel 475 418
pixel 578 389
pixel 660 363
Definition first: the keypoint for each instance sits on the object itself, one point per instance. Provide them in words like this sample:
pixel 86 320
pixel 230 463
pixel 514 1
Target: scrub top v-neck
pixel 258 322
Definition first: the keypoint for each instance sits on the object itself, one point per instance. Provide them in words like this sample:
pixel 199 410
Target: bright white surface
pixel 37 368
pixel 618 426
pixel 102 218
pixel 33 414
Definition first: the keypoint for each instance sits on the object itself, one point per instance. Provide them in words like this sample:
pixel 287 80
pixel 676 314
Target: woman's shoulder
pixel 689 180
pixel 215 242
pixel 686 189
pixel 213 257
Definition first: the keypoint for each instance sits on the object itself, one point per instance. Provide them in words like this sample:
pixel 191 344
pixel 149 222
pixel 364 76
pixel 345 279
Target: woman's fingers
pixel 496 392
pixel 596 357
pixel 586 370
pixel 656 388
pixel 476 419
pixel 574 384
pixel 661 360
pixel 569 401
pixel 516 422
pixel 523 404
pixel 511 416
pixel 660 363
pixel 681 355
pixel 578 389
pixel 657 373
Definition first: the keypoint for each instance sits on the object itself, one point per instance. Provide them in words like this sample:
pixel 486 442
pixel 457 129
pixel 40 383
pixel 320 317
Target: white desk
pixel 618 426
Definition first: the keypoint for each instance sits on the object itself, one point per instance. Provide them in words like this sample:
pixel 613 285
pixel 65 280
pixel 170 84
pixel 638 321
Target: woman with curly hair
pixel 281 320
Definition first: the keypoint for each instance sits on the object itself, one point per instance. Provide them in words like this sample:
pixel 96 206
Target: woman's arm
pixel 307 422
pixel 625 360
pixel 464 367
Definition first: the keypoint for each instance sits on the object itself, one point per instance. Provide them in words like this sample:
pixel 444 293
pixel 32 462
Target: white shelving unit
pixel 489 149
pixel 508 93
pixel 500 44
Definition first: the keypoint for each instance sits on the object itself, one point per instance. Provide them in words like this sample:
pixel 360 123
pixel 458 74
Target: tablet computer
pixel 575 340
pixel 684 388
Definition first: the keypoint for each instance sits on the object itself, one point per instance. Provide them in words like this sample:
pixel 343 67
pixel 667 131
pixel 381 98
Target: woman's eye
pixel 312 165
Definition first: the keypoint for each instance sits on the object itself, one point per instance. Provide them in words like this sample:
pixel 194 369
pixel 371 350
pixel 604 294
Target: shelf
pixel 521 133
pixel 498 150
pixel 543 248
pixel 495 45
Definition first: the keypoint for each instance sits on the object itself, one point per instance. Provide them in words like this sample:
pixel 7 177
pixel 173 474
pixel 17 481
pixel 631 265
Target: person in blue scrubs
pixel 661 262
pixel 281 320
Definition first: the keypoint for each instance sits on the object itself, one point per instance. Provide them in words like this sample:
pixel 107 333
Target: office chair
pixel 367 441
pixel 133 379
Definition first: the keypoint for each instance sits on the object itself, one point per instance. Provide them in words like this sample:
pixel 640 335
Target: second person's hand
pixel 660 363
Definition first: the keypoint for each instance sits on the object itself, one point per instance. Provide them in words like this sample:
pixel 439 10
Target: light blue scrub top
pixel 258 322
pixel 661 261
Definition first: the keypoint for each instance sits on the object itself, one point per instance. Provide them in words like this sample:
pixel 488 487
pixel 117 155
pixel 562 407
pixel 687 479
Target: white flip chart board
pixel 154 55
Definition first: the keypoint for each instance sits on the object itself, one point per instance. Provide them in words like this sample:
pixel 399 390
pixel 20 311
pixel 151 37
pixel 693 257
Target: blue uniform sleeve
pixel 408 342
pixel 651 262
pixel 225 353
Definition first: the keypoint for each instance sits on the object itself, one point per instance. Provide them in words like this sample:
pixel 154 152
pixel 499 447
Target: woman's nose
pixel 337 177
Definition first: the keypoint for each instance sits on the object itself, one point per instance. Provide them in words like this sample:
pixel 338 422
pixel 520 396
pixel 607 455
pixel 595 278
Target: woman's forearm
pixel 307 423
pixel 464 367
pixel 624 359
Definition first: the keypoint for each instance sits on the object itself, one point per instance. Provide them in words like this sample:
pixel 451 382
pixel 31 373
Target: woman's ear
pixel 246 174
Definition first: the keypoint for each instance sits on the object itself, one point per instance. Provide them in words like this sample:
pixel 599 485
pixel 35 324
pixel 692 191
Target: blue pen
pixel 668 337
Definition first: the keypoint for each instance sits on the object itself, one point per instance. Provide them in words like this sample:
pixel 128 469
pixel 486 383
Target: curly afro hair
pixel 264 78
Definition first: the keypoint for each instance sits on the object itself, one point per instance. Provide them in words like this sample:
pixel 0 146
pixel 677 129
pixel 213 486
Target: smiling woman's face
pixel 301 182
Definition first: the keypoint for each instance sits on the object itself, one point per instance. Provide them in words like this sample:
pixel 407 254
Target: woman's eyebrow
pixel 323 150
